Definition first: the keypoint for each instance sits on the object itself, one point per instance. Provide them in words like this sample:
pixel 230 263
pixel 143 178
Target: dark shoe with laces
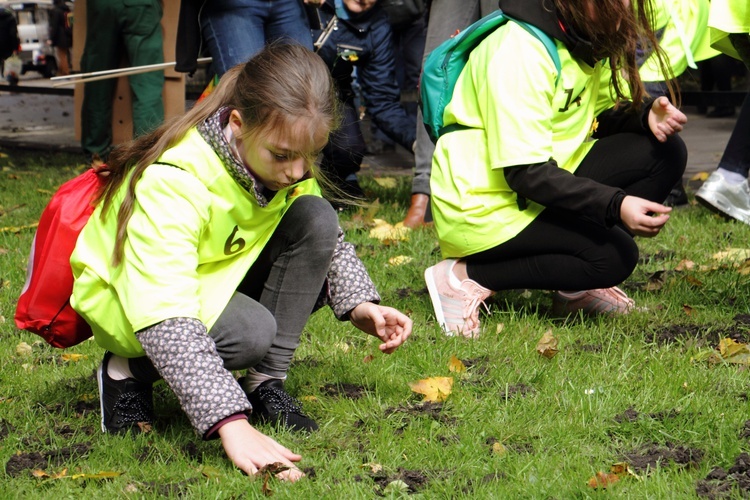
pixel 124 403
pixel 272 404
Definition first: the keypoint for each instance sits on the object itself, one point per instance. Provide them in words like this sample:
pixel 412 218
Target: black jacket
pixel 365 42
pixel 546 183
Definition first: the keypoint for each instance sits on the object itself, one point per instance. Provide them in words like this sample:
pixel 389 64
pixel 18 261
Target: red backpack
pixel 44 305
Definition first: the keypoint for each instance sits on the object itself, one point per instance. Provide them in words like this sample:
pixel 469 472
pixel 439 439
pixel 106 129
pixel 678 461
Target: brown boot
pixel 416 214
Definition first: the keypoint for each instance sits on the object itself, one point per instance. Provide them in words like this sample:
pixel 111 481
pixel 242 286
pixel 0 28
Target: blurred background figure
pixel 9 40
pixel 359 36
pixel 61 35
pixel 446 17
pixel 117 29
pixel 727 190
pixel 235 30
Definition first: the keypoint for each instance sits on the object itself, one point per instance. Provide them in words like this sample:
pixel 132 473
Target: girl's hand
pixel 250 449
pixel 664 119
pixel 643 217
pixel 315 3
pixel 386 323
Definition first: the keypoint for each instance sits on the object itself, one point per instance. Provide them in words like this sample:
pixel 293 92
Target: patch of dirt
pixel 657 256
pixel 414 480
pixel 579 346
pixel 649 457
pixel 5 429
pixel 701 334
pixel 515 390
pixel 722 484
pixel 80 409
pixel 427 408
pixel 40 460
pixel 344 390
pixel 631 415
pixel 745 432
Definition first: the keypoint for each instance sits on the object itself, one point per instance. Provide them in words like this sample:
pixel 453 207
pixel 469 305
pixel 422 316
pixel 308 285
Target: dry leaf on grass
pixel 547 345
pixel 456 365
pixel 399 260
pixel 603 480
pixel 434 389
pixel 386 182
pixel 385 232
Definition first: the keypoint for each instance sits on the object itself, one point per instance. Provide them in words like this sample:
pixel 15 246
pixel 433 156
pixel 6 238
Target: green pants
pixel 115 28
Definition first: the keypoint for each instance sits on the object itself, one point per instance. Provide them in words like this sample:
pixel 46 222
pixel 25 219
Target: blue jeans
pixel 235 30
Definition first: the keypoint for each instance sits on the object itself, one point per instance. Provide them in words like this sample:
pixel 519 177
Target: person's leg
pixel 637 163
pixel 289 274
pixel 233 31
pixel 288 21
pixel 142 35
pixel 446 17
pixel 557 251
pixel 102 51
pixel 342 157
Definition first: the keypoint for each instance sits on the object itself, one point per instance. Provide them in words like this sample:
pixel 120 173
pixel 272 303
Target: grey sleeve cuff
pixel 186 358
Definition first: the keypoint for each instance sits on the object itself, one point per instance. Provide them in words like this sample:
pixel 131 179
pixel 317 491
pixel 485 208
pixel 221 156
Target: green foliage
pixel 515 425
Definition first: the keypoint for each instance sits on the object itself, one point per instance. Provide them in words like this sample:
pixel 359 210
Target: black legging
pixel 562 251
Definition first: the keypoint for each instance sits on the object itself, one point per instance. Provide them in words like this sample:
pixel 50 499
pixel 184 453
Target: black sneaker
pixel 272 404
pixel 124 403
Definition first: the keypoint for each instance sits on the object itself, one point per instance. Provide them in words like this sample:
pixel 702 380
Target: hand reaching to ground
pixel 664 119
pixel 386 323
pixel 249 449
pixel 643 217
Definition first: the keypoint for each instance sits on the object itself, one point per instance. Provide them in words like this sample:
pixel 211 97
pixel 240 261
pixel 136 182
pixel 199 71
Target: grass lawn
pixel 644 402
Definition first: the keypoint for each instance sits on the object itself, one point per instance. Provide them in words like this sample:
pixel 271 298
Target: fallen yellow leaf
pixel 383 231
pixel 499 448
pixel 435 389
pixel 399 260
pixel 386 182
pixel 72 357
pixel 547 345
pixel 734 255
pixel 456 365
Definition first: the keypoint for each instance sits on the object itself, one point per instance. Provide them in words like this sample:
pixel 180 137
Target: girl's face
pixel 359 6
pixel 278 160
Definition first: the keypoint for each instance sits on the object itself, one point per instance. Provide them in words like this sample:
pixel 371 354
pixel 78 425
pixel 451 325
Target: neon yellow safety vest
pixel 725 17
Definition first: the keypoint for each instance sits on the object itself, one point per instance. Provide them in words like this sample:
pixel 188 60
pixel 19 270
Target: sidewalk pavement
pixel 45 122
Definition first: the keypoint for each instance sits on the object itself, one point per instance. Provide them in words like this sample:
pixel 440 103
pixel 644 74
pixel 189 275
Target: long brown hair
pixel 617 34
pixel 275 88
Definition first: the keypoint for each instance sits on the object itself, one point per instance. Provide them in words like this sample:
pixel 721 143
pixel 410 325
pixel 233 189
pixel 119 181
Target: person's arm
pixel 186 358
pixel 348 283
pixel 377 76
pixel 551 186
pixel 352 295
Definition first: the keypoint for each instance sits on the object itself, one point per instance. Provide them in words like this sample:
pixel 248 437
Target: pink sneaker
pixel 456 309
pixel 608 301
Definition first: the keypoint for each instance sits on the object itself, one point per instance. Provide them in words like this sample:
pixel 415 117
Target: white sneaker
pixel 732 200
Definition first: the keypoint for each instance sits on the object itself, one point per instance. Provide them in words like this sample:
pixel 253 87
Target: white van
pixel 33 30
